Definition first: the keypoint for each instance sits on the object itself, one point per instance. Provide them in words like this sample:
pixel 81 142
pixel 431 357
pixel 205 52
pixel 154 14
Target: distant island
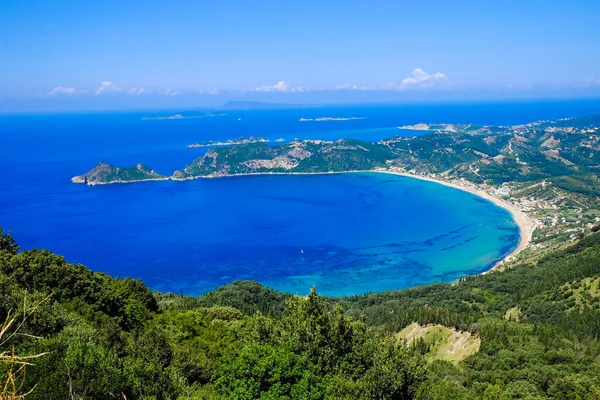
pixel 259 105
pixel 434 127
pixel 231 142
pixel 184 115
pixel 330 119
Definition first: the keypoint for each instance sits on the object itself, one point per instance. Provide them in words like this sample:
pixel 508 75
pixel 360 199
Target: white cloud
pixel 346 86
pixel 370 87
pixel 136 91
pixel 210 91
pixel 107 87
pixel 63 90
pixel 171 92
pixel 281 86
pixel 421 79
pixel 356 87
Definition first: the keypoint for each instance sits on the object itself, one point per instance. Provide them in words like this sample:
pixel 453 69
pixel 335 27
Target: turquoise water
pixel 345 233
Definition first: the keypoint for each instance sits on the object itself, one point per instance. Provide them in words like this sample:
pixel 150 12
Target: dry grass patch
pixel 444 343
pixel 513 314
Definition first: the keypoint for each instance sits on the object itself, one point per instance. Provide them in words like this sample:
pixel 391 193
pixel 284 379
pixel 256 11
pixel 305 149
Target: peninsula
pixel 429 127
pixel 296 156
pixel 322 119
pixel 184 115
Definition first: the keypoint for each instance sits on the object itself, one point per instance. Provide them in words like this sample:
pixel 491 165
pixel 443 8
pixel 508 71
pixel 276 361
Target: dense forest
pixel 73 333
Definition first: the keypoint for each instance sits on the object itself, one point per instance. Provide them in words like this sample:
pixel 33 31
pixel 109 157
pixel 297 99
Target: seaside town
pixel 557 212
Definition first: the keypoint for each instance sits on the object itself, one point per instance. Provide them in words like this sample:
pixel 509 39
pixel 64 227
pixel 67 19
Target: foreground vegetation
pixel 532 333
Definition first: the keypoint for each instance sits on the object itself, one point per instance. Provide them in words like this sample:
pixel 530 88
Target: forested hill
pixel 531 332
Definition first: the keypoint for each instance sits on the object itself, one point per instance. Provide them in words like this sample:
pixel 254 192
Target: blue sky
pixel 119 54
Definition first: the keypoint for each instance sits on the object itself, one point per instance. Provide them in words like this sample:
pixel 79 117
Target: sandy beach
pixel 526 225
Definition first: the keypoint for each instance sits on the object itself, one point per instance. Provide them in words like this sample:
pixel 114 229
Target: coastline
pixel 525 224
pixel 78 182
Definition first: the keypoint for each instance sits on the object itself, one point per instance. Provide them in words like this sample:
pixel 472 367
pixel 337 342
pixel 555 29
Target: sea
pixel 343 233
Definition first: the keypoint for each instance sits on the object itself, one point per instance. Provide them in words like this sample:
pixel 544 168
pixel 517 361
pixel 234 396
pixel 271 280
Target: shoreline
pixel 525 224
pixel 78 182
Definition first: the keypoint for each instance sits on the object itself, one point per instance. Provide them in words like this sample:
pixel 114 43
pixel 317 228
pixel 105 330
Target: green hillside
pixel 105 173
pixel 298 156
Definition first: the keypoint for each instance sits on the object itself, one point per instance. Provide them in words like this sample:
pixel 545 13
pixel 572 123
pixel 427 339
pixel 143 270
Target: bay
pixel 344 233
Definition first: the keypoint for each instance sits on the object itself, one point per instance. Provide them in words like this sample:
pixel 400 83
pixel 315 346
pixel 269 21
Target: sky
pixel 62 55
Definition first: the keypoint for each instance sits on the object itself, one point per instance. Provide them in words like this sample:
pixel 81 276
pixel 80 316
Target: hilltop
pixel 297 156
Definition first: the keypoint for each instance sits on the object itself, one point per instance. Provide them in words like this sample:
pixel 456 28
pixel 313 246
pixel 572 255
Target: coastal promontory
pixel 104 173
pixel 306 156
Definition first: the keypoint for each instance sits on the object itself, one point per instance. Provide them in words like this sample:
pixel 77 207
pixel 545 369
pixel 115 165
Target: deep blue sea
pixel 344 233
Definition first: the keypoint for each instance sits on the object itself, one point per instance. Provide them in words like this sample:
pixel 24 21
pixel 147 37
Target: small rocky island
pixel 104 173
